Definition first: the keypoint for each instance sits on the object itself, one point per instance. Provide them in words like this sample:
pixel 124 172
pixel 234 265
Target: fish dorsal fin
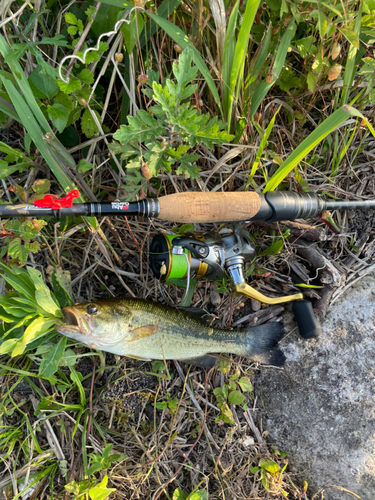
pixel 200 314
pixel 205 361
pixel 142 332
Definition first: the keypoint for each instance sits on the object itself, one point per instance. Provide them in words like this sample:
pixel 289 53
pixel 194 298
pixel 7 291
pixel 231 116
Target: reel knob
pixel 308 325
pixel 159 256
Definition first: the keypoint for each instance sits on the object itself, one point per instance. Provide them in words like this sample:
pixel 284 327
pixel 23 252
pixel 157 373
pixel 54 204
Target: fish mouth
pixel 74 323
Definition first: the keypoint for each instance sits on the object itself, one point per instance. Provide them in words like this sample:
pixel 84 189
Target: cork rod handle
pixel 209 207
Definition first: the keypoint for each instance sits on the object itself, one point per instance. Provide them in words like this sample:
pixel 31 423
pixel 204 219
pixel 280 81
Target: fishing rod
pixel 192 207
pixel 208 256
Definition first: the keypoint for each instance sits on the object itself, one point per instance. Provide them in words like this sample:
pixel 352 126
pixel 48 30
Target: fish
pixel 146 330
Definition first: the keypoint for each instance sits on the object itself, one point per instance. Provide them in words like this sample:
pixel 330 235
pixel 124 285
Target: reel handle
pixel 308 325
pixel 251 293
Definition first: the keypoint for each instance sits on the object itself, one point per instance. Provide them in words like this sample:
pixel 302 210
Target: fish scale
pixel 149 330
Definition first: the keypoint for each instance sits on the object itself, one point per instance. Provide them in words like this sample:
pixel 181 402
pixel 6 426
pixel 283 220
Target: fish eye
pixel 91 309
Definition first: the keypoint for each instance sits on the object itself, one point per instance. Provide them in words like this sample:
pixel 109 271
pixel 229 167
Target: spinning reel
pixel 196 257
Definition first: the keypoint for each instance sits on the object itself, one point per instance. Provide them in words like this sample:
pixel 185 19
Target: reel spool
pixel 174 257
pixel 168 262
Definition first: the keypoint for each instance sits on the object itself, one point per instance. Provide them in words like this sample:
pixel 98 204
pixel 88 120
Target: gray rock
pixel 320 408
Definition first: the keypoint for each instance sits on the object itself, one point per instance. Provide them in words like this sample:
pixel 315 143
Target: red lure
pixel 52 201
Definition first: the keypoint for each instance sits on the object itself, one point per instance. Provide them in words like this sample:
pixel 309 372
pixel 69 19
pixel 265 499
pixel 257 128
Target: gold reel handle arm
pixel 248 291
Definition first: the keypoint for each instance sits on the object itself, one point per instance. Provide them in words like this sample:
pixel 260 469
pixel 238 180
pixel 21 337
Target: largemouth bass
pixel 148 330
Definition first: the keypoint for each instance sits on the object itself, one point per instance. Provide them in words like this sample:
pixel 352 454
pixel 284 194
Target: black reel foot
pixel 308 325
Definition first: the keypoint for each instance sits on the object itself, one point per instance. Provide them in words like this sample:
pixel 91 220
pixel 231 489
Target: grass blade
pixel 228 53
pixel 344 149
pixel 256 66
pixel 263 144
pixel 217 8
pixel 24 86
pixel 31 125
pixel 164 10
pixel 236 74
pixel 325 128
pixel 350 66
pixel 8 109
pixel 179 37
pixel 281 53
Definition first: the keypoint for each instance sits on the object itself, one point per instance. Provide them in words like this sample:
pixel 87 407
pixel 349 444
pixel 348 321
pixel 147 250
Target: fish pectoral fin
pixel 137 357
pixel 205 361
pixel 142 332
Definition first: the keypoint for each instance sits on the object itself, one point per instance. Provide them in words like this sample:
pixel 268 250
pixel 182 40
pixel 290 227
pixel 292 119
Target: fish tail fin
pixel 261 343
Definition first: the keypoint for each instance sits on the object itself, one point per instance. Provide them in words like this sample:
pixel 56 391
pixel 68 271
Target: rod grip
pixel 209 207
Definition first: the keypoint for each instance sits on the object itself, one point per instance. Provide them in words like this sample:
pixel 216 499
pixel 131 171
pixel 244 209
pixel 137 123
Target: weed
pixel 231 393
pixel 164 136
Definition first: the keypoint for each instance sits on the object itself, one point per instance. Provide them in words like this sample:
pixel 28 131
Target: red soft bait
pixel 52 201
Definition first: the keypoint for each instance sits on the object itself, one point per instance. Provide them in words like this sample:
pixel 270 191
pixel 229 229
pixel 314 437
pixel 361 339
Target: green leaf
pixel 262 145
pixel 368 70
pixel 43 295
pixel 350 66
pixel 86 76
pixel 72 30
pixel 270 466
pixel 225 391
pixel 141 127
pixel 43 86
pixel 198 495
pixel 322 24
pixel 190 170
pixel 306 46
pixel 253 470
pixel 178 494
pixel 200 129
pixel 228 53
pixel 238 64
pixel 69 88
pixel 132 31
pixel 41 186
pixel 324 129
pixel 59 116
pixel 71 18
pixel 89 127
pixel 274 249
pixel 255 68
pixel 100 491
pixel 59 284
pixel 58 40
pixel 226 414
pixel 17 251
pixel 184 73
pixel 6 170
pixel 156 160
pixel 84 166
pixel 162 405
pixel 19 280
pixel 350 36
pixel 33 247
pixel 280 56
pixel 236 398
pixel 312 81
pixel 52 360
pixel 182 39
pixel 38 327
pixel 245 384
